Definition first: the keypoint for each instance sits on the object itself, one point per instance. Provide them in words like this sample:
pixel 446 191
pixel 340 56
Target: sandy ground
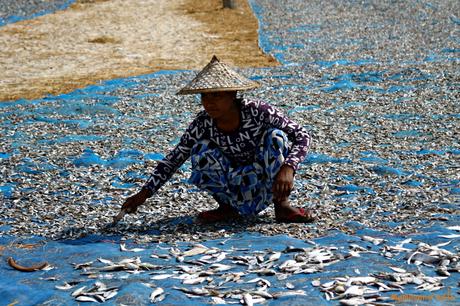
pixel 97 40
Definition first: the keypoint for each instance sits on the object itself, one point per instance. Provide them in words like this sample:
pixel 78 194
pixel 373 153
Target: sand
pixel 96 40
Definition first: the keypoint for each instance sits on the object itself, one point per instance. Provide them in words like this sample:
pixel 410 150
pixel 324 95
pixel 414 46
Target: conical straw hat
pixel 217 76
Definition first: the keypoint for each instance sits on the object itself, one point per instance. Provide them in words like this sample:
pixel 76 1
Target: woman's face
pixel 218 104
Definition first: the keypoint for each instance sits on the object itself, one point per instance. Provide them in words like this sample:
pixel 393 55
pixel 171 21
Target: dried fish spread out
pixel 245 276
pixel 385 142
pixel 377 92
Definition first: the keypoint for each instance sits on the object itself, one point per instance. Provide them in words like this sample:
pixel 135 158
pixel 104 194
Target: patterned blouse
pixel 239 146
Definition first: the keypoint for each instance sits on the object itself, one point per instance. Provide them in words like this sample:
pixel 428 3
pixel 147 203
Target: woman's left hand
pixel 284 182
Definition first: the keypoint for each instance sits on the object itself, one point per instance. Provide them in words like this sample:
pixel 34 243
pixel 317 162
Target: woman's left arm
pixel 297 134
pixel 300 139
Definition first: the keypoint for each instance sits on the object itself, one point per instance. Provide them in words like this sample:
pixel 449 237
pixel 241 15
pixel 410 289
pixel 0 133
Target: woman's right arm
pixel 166 167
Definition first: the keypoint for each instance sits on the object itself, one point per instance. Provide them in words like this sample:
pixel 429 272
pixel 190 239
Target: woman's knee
pixel 205 156
pixel 276 139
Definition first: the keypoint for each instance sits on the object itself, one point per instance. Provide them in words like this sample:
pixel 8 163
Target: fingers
pixel 131 209
pixel 127 206
pixel 130 205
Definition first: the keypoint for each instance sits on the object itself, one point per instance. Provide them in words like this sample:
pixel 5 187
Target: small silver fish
pixel 289 263
pixel 66 286
pixel 220 267
pixel 288 293
pixel 264 271
pixel 105 261
pixel 156 293
pixel 160 298
pixel 259 279
pixel 100 286
pixel 260 293
pixel 442 271
pixel 110 294
pixel 373 240
pixel 354 291
pixel 450 236
pixel 260 258
pixel 82 265
pixel 316 283
pixel 149 266
pixel 217 300
pixel 193 291
pixel 274 257
pixel 115 267
pixel 136 260
pixel 198 249
pixel 161 276
pixel 396 269
pixel 290 286
pixel 124 249
pixel 247 298
pixel 206 258
pixel 84 298
pixel 161 256
pixel 354 301
pixel 292 249
pixel 361 280
pixel 193 281
pixel 78 291
pixel 282 276
pixel 220 257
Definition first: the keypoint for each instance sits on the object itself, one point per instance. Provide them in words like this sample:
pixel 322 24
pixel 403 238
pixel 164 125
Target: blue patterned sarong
pixel 247 188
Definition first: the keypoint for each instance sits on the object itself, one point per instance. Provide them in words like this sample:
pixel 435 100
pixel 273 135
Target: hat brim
pixel 207 90
pixel 217 77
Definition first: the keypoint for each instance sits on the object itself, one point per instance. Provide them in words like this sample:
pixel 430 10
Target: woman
pixel 239 151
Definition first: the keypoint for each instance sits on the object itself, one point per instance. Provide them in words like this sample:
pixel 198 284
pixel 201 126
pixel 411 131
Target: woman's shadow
pixel 180 226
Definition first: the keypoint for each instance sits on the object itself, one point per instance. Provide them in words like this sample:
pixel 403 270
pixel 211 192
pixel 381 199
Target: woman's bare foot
pixel 285 213
pixel 223 213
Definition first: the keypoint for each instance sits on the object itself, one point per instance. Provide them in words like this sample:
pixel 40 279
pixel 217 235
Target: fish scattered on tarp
pixel 155 295
pixel 98 293
pixel 216 274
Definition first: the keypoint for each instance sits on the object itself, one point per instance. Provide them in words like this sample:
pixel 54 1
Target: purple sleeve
pixel 296 133
pixel 175 158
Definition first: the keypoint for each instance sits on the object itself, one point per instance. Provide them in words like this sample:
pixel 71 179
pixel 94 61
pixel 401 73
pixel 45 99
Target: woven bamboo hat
pixel 217 76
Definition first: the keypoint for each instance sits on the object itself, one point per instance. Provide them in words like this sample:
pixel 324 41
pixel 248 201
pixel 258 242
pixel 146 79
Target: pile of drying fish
pixel 369 289
pixel 378 93
pixel 384 155
pixel 14 10
pixel 241 275
pixel 98 293
pixel 63 180
pixel 202 267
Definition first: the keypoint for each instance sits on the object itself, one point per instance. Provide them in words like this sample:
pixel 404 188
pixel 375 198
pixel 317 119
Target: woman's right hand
pixel 133 202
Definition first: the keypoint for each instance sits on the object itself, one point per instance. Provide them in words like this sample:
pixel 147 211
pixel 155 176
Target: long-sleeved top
pixel 239 146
